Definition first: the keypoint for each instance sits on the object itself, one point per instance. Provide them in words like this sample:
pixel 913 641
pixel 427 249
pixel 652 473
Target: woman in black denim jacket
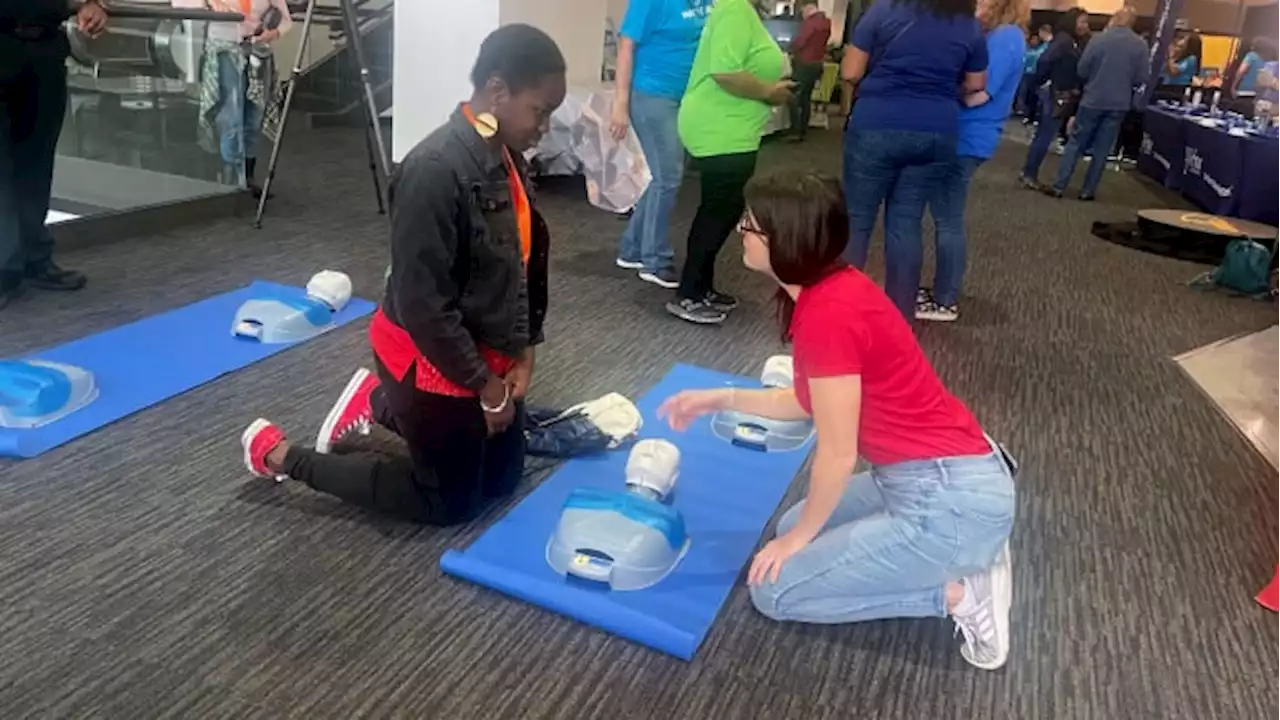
pixel 464 307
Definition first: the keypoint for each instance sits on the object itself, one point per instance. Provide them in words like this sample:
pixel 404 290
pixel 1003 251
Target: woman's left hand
pixel 266 37
pixel 521 375
pixel 768 562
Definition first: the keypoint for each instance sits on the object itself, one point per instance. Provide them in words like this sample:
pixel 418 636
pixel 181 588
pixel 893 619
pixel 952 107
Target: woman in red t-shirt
pixel 924 532
pixel 454 337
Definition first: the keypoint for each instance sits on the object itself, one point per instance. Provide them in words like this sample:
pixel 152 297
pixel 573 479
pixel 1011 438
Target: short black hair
pixel 803 218
pixel 519 55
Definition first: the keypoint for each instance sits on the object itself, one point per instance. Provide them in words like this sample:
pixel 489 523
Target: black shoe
pixel 1086 198
pixel 696 312
pixel 1052 192
pixel 48 276
pixel 724 302
pixel 1028 183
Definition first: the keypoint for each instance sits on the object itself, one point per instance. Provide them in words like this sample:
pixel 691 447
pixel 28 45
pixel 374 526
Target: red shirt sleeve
pixel 829 342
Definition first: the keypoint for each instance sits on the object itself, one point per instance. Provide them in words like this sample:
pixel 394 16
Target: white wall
pixel 436 42
pixel 577 26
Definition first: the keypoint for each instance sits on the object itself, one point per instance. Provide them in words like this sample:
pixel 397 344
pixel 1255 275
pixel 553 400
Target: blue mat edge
pixel 666 638
pixel 356 309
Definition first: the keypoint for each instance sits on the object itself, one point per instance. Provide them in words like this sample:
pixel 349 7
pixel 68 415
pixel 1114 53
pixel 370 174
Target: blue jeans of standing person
pixel 239 120
pixel 1095 134
pixel 1046 131
pixel 900 169
pixel 947 206
pixel 900 533
pixel 645 240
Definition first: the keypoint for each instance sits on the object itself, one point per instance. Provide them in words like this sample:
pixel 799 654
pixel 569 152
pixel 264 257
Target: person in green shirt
pixel 735 81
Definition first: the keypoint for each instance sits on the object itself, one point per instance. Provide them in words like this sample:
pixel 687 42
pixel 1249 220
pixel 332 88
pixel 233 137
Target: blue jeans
pixel 900 169
pixel 645 240
pixel 1095 134
pixel 947 206
pixel 238 119
pixel 899 535
pixel 1046 131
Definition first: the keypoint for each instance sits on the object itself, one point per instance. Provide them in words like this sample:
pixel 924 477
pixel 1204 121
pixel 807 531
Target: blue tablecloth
pixel 1163 140
pixel 1224 174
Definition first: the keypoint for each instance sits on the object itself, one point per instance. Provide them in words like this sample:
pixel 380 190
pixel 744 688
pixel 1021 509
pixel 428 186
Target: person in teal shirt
pixel 655 54
pixel 1261 51
pixel 735 83
pixel 1183 64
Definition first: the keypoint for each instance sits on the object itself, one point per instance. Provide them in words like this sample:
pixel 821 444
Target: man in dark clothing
pixel 1112 66
pixel 33 99
pixel 808 51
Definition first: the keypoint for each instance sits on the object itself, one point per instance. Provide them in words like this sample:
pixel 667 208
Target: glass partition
pixel 132 136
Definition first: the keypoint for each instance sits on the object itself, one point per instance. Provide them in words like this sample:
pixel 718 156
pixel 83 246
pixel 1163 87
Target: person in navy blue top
pixel 981 124
pixel 1059 89
pixel 655 54
pixel 1113 66
pixel 911 61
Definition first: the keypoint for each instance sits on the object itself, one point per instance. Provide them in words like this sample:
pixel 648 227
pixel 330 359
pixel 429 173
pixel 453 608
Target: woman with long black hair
pixel 465 302
pixel 924 532
pixel 1059 84
pixel 911 61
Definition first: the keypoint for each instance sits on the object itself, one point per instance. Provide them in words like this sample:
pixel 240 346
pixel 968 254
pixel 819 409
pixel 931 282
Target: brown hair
pixel 803 218
pixel 1006 12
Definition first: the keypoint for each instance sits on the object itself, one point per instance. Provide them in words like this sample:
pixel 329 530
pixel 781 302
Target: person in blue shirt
pixel 981 124
pixel 1025 103
pixel 905 59
pixel 1261 51
pixel 655 54
pixel 1183 64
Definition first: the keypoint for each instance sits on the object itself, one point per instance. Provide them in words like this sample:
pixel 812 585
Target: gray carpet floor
pixel 143 574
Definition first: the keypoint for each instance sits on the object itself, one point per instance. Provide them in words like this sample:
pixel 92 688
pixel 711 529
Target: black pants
pixel 33 99
pixel 452 468
pixel 806 76
pixel 722 179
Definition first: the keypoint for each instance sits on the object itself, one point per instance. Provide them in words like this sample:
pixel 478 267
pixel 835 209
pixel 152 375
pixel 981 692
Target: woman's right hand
pixel 497 393
pixel 619 120
pixel 681 409
pixel 781 92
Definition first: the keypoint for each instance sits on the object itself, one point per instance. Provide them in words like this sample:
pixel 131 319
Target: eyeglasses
pixel 746 228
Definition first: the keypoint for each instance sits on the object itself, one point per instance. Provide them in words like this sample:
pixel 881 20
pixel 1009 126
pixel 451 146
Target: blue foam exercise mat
pixel 727 495
pixel 145 362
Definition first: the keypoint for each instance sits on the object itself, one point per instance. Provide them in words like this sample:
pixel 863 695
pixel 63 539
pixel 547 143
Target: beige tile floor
pixel 1240 376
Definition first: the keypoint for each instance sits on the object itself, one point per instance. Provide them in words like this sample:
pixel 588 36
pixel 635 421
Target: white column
pixel 436 42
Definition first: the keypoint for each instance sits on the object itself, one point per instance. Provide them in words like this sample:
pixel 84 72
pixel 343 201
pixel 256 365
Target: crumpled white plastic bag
pixel 578 141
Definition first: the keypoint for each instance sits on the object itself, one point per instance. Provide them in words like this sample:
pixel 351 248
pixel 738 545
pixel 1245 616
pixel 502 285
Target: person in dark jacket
pixel 33 100
pixel 1059 85
pixel 1112 67
pixel 464 307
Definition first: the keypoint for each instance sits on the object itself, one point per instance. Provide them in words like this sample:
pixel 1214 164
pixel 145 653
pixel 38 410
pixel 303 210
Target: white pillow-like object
pixel 331 288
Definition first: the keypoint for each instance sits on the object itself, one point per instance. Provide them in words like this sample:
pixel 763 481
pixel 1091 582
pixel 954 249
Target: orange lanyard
pixel 245 7
pixel 519 198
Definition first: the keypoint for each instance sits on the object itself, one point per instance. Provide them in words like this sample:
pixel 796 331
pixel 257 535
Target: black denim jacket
pixel 457 274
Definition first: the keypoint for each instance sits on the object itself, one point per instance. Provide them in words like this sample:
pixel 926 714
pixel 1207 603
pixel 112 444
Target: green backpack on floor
pixel 1245 269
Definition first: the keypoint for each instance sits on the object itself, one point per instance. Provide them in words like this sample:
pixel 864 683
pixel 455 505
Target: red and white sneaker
pixel 260 438
pixel 352 413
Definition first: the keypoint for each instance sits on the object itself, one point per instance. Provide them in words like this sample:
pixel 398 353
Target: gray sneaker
pixel 665 278
pixel 694 311
pixel 626 264
pixel 983 616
